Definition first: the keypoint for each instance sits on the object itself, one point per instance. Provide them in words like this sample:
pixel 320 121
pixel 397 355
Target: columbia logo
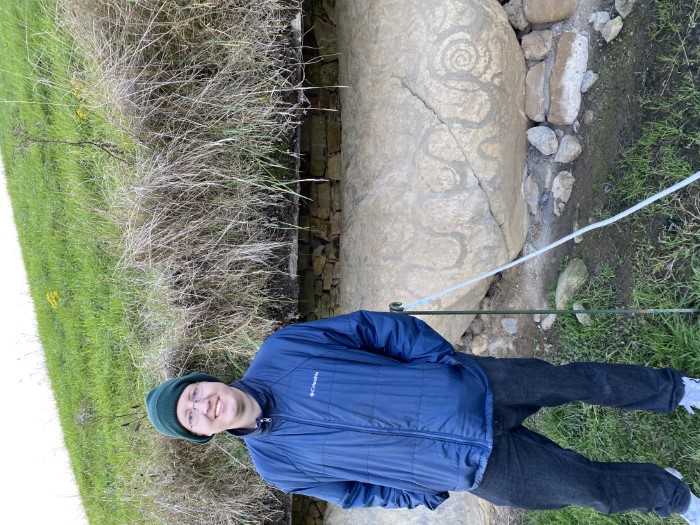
pixel 312 393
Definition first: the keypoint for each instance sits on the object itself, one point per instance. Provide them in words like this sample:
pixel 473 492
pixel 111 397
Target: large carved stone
pixel 433 150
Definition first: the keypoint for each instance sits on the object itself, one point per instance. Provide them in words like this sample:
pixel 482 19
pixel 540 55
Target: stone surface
pixel 516 14
pixel 547 11
pixel 460 507
pixel 624 7
pixel 565 81
pixel 612 29
pixel 570 280
pixel 510 325
pixel 589 78
pixel 569 149
pixel 480 344
pixel 436 98
pixel 534 93
pixel 562 187
pixel 543 139
pixel 537 44
pixel 599 19
pixel 532 195
pixel 584 319
pixel 548 322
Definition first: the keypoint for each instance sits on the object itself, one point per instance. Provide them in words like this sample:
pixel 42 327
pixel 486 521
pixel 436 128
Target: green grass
pixel 666 274
pixel 85 310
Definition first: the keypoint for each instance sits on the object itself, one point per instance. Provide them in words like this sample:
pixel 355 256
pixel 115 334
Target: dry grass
pixel 207 91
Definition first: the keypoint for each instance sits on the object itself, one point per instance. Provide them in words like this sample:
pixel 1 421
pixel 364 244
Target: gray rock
pixel 537 44
pixel 599 19
pixel 584 319
pixel 578 238
pixel 571 279
pixel 427 98
pixel 589 78
pixel 479 345
pixel 532 195
pixel 561 190
pixel 510 325
pixel 547 11
pixel 565 81
pixel 612 29
pixel 548 322
pixel 516 14
pixel 569 149
pixel 534 92
pixel 543 139
pixel 588 116
pixel 624 7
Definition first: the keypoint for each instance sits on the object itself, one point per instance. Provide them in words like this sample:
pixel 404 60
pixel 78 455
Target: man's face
pixel 207 408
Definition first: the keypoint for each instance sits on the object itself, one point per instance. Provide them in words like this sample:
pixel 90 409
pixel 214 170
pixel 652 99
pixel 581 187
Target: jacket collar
pixel 262 395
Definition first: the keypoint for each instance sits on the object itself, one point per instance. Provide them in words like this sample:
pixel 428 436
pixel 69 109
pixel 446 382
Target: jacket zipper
pixel 409 433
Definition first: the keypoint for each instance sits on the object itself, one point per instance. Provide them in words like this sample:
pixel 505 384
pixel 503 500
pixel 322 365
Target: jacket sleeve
pixel 397 335
pixel 354 494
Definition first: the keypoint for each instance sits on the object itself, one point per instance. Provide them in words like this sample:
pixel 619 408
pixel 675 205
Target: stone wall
pixel 320 212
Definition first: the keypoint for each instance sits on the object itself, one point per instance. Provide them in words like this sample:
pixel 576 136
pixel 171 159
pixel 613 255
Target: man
pixel 377 409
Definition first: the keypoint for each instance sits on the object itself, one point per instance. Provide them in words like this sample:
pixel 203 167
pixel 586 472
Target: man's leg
pixel 529 471
pixel 522 386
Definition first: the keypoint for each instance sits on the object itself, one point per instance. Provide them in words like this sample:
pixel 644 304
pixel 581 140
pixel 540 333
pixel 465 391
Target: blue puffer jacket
pixel 368 409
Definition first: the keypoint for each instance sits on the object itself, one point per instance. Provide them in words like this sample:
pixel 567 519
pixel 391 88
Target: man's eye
pixel 190 419
pixel 196 393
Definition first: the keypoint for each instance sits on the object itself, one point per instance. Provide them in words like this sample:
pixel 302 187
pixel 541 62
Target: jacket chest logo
pixel 312 392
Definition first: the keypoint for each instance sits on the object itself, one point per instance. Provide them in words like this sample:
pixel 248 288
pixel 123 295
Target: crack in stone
pixel 414 93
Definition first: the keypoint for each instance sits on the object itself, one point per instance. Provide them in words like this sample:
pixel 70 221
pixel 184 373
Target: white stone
pixel 510 325
pixel 578 238
pixel 548 322
pixel 624 7
pixel 480 345
pixel 612 29
pixel 562 186
pixel 532 195
pixel 570 280
pixel 584 319
pixel 543 139
pixel 569 149
pixel 565 81
pixel 599 19
pixel 589 78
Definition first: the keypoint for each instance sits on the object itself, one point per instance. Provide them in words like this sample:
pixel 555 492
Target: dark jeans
pixel 529 471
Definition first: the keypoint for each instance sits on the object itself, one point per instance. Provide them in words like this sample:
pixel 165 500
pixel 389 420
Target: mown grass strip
pixel 665 275
pixel 57 181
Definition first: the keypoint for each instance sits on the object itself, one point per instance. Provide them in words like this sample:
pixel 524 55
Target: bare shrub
pixel 208 93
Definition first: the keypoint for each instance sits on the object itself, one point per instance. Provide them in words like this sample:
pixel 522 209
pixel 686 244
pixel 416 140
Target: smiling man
pixel 377 409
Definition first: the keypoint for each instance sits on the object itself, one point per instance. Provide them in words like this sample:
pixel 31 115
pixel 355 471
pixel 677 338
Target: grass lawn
pixel 58 184
pixel 665 273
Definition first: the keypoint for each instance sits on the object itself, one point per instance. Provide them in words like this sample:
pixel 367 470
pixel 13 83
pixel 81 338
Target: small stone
pixel 319 264
pixel 547 11
pixel 589 78
pixel 548 322
pixel 569 149
pixel 543 139
pixel 584 319
pixel 516 14
pixel 326 39
pixel 624 7
pixel 534 92
pixel 588 116
pixel 480 344
pixel 537 44
pixel 532 195
pixel 562 186
pixel 571 279
pixel 333 137
pixel 612 29
pixel 329 76
pixel 334 167
pixel 510 325
pixel 599 19
pixel 323 200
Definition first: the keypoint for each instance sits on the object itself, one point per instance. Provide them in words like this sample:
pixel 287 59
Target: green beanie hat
pixel 161 405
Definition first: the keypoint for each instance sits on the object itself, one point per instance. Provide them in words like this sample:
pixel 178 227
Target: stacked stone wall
pixel 320 211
